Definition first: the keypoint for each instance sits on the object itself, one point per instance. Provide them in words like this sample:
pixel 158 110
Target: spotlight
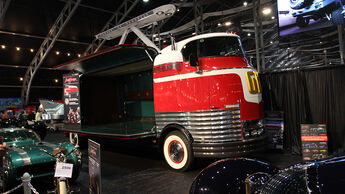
pixel 267 11
pixel 68 54
pixel 3 46
pixel 249 34
pixel 18 48
pixel 21 79
pixel 31 50
pixel 145 1
pixel 219 24
pixel 79 55
pixel 57 52
pixel 245 4
pixel 193 33
pixel 271 42
pixel 273 17
pixel 227 23
pixel 56 80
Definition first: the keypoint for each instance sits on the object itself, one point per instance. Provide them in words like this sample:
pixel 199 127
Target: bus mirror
pixel 193 61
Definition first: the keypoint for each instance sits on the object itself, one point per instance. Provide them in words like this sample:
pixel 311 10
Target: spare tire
pixel 299 4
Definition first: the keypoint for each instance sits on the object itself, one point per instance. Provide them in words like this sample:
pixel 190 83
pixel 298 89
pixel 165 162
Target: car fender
pixel 228 175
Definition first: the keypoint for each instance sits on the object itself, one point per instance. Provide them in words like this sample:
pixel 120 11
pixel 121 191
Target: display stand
pixel 274 125
pixel 314 141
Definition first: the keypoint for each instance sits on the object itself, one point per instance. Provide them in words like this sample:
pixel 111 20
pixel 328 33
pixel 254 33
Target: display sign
pixel 274 126
pixel 94 152
pixel 296 16
pixel 63 170
pixel 6 103
pixel 314 141
pixel 72 116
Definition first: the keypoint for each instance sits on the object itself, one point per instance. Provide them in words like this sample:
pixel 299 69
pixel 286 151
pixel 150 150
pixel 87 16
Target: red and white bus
pixel 199 98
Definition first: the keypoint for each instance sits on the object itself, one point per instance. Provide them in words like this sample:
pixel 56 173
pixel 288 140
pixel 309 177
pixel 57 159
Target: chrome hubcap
pixel 176 151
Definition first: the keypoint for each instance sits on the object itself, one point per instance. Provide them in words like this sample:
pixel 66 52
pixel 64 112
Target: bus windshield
pixel 213 47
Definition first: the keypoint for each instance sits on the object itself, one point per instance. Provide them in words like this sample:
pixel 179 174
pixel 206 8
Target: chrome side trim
pixel 211 126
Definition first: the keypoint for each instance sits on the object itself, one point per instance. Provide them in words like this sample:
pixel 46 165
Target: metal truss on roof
pixel 119 15
pixel 48 43
pixel 3 8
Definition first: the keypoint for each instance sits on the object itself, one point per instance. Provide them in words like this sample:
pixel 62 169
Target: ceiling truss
pixel 48 43
pixel 119 15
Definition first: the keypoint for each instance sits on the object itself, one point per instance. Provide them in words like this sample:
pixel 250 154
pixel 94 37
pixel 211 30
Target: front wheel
pixel 178 151
pixel 73 138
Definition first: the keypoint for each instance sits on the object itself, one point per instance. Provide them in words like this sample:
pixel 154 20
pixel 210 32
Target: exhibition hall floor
pixel 136 168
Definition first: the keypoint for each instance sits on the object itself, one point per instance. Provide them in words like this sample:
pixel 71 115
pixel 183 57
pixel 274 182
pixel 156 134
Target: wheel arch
pixel 173 127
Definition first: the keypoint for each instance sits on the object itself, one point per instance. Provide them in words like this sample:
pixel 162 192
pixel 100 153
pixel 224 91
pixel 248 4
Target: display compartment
pixel 119 104
pixel 116 92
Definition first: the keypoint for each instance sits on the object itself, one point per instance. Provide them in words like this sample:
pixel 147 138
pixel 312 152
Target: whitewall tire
pixel 178 151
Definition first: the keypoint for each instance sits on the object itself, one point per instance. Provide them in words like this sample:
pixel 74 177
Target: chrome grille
pixel 210 126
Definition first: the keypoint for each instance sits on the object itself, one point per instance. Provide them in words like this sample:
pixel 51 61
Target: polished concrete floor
pixel 131 167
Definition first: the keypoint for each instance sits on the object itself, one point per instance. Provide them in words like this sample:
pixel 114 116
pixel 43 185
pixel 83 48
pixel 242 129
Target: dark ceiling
pixel 26 23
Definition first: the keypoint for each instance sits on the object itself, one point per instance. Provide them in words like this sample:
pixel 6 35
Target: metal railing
pixel 26 184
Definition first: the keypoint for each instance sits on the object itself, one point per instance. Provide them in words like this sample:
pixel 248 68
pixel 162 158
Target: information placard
pixel 63 170
pixel 314 141
pixel 94 152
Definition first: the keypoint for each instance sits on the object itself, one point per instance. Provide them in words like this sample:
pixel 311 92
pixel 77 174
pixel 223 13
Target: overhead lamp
pixel 3 46
pixel 79 55
pixel 145 1
pixel 31 50
pixel 68 54
pixel 57 52
pixel 267 11
pixel 227 23
pixel 245 4
pixel 249 34
pixel 21 79
pixel 56 80
pixel 18 48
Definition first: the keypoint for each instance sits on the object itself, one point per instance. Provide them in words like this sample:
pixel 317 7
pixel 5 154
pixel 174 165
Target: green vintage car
pixel 25 155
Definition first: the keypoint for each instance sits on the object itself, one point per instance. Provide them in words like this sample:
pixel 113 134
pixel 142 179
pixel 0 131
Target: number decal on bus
pixel 254 86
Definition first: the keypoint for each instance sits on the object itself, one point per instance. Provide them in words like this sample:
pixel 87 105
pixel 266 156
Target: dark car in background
pixel 241 175
pixel 25 155
pixel 317 9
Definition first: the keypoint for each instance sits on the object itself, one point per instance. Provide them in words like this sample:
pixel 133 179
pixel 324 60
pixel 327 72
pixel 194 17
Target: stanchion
pixel 26 181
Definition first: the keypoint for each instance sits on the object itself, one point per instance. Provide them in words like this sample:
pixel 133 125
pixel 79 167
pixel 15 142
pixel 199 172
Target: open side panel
pixel 116 92
pixel 120 105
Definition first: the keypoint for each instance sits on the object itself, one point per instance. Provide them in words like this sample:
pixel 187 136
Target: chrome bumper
pixel 229 149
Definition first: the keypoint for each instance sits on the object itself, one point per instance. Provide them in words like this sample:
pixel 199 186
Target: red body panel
pixel 204 92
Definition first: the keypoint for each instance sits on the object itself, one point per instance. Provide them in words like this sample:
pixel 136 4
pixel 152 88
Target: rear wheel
pixel 177 151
